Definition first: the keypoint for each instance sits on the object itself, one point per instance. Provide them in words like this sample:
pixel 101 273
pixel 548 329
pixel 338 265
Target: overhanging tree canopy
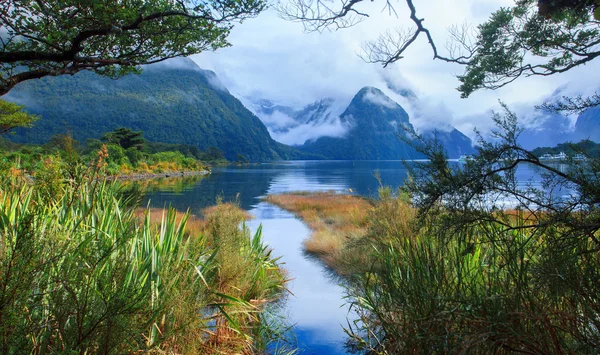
pixel 534 37
pixel 110 37
pixel 13 116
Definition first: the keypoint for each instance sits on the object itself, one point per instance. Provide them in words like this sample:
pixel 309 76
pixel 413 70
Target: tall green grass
pixel 81 274
pixel 482 288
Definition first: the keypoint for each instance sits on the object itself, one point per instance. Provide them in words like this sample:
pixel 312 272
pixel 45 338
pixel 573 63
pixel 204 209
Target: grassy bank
pixel 343 225
pixel 83 271
pixel 420 285
pixel 338 223
pixel 123 153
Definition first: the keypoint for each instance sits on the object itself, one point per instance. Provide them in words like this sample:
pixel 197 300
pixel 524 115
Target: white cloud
pixel 377 99
pixel 278 120
pixel 306 132
pixel 272 58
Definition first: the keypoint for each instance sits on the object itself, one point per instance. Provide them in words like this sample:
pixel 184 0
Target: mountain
pixel 278 119
pixel 171 102
pixel 552 128
pixel 268 107
pixel 549 129
pixel 317 113
pixel 295 127
pixel 373 123
pixel 588 125
pixel 322 126
pixel 454 141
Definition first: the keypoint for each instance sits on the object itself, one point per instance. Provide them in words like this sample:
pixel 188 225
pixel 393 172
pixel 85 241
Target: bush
pixel 486 288
pixel 134 155
pixel 49 179
pixel 167 157
pixel 80 273
pixel 117 155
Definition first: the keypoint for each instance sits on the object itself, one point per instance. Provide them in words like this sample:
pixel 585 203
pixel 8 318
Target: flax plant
pixel 80 273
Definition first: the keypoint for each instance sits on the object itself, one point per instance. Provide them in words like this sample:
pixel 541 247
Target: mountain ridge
pixel 329 128
pixel 174 102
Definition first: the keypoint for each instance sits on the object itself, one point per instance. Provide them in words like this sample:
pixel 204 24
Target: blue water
pixel 316 305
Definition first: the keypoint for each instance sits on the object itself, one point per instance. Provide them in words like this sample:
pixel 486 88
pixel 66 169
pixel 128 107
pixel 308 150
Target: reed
pixel 422 286
pixel 483 288
pixel 338 223
pixel 81 271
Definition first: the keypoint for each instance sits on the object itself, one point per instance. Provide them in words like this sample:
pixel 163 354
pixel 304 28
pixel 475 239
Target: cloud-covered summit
pixel 296 126
pixel 275 59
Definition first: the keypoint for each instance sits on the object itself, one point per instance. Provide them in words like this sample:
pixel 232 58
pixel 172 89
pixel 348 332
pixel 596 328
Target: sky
pixel 275 59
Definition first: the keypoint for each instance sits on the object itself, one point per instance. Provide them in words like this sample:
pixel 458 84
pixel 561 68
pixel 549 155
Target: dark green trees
pixel 13 116
pixel 126 138
pixel 112 38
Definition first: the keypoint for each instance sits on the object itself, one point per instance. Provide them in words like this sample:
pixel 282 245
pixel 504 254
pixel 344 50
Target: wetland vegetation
pixel 84 270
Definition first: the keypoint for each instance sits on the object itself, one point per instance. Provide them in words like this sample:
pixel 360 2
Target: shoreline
pixel 337 222
pixel 145 176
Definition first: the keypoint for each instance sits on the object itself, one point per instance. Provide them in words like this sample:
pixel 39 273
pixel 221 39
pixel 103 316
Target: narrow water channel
pixel 316 306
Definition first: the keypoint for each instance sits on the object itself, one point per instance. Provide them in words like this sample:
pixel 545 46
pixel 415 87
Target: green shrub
pixel 481 289
pixel 134 155
pixel 167 157
pixel 49 178
pixel 117 155
pixel 80 273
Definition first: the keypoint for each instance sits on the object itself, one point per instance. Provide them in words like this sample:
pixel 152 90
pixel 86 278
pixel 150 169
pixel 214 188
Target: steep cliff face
pixel 176 102
pixel 375 125
pixel 588 125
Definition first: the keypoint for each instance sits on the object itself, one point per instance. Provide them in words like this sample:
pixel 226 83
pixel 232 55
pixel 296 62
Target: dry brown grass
pixel 196 225
pixel 235 275
pixel 338 222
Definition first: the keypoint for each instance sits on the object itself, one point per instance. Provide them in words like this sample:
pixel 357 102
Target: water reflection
pixel 316 306
pixel 248 184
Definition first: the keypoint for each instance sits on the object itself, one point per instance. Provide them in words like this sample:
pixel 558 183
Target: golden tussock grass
pixel 337 221
pixel 196 225
pixel 346 228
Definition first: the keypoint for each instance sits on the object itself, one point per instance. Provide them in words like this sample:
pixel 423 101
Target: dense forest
pixel 176 104
pixel 590 148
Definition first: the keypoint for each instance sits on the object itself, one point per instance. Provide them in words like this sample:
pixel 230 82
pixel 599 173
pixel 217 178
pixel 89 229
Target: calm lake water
pixel 316 306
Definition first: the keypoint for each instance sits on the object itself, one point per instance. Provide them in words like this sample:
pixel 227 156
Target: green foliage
pixel 118 161
pixel 241 159
pixel 488 287
pixel 112 38
pixel 531 38
pixel 534 37
pixel 585 148
pixel 489 264
pixel 134 156
pixel 13 116
pixel 202 116
pixel 125 138
pixel 80 273
pixel 49 179
pixel 213 153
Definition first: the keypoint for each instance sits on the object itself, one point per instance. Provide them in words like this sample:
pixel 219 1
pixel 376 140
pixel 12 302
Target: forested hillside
pixel 176 102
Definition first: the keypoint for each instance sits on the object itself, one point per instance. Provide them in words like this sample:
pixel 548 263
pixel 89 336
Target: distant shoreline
pixel 144 176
